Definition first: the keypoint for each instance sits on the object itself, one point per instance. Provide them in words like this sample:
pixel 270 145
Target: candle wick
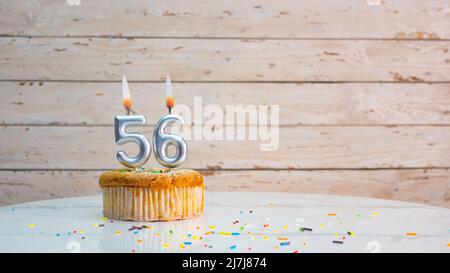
pixel 170 110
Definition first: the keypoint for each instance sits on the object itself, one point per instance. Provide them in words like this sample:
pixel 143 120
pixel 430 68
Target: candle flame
pixel 169 94
pixel 126 99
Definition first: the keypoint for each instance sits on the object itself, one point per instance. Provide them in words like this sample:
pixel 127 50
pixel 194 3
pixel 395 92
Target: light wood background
pixel 363 88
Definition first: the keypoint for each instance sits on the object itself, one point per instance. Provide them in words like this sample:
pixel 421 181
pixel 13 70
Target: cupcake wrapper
pixel 144 204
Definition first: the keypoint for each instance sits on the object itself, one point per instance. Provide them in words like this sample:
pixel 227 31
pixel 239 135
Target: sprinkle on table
pixel 212 227
pixel 187 243
pixel 285 243
pixel 283 239
pixel 331 214
pixel 338 242
pixel 31 226
pixel 411 234
pixel 233 247
pixel 302 229
pixel 448 245
pixel 117 232
pixel 166 245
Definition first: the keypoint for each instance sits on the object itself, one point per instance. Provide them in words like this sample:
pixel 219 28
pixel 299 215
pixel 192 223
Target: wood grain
pixel 99 59
pixel 421 186
pixel 299 147
pixel 81 103
pixel 400 19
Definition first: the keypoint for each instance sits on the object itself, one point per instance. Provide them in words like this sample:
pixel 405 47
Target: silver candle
pixel 162 140
pixel 122 137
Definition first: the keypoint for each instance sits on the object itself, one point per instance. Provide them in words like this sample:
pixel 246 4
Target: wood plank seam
pixel 223 38
pixel 229 169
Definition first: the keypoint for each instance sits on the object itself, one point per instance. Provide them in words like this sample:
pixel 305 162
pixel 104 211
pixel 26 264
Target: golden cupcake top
pixel 151 178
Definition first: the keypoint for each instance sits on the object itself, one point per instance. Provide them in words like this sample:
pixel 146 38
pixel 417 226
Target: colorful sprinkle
pixel 302 229
pixel 31 226
pixel 212 227
pixel 331 214
pixel 188 243
pixel 117 232
pixel 166 245
pixel 411 234
pixel 338 242
pixel 285 243
pixel 283 239
pixel 235 233
pixel 233 247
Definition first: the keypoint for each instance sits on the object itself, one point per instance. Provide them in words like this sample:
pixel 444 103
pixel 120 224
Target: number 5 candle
pixel 122 137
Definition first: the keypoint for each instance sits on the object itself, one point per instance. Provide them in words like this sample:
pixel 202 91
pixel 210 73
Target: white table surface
pixel 268 222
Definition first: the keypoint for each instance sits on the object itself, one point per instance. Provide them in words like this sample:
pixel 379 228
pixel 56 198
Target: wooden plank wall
pixel 363 88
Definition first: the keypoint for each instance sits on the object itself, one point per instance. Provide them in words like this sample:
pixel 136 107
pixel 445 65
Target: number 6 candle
pixel 161 140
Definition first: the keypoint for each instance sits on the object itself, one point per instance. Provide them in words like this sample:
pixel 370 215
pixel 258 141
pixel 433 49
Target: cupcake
pixel 152 194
